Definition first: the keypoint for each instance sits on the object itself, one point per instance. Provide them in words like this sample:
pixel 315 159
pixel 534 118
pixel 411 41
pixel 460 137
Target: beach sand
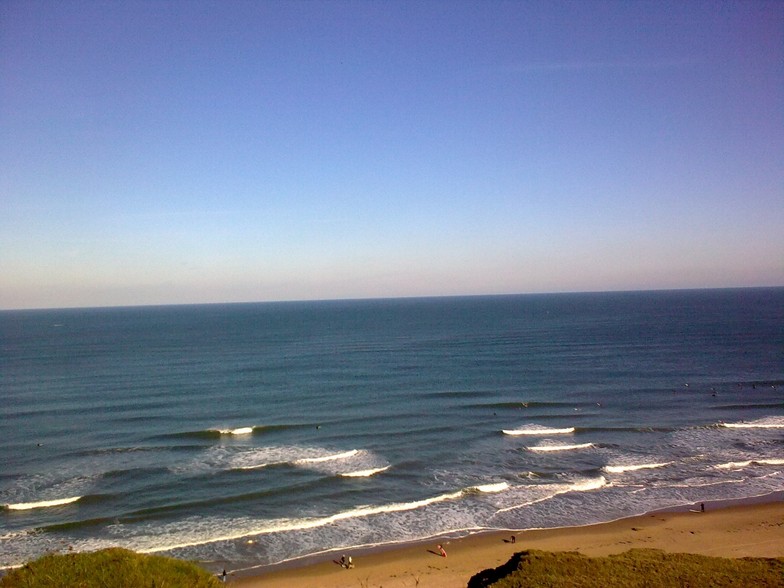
pixel 755 530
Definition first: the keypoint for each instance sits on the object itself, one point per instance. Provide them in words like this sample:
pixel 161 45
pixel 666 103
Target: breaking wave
pixel 766 423
pixel 238 431
pixel 620 469
pixel 42 503
pixel 538 430
pixel 364 473
pixel 257 528
pixel 737 465
pixel 332 457
pixel 546 448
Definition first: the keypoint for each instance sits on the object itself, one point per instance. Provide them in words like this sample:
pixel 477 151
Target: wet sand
pixel 746 530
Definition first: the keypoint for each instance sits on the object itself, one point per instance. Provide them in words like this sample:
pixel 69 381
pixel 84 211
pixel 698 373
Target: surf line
pixel 285 525
pixel 583 486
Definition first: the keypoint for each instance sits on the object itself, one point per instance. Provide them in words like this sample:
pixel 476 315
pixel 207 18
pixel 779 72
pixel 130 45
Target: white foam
pixel 694 484
pixel 491 488
pixel 258 466
pixel 733 465
pixel 258 457
pixel 752 426
pixel 42 504
pixel 560 447
pixel 365 473
pixel 333 457
pixel 538 430
pixel 238 431
pixel 354 462
pixel 250 528
pixel 764 423
pixel 737 465
pixel 583 485
pixel 620 469
pixel 588 485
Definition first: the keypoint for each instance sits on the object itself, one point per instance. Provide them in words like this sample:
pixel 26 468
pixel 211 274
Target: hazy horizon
pixel 175 152
pixel 389 298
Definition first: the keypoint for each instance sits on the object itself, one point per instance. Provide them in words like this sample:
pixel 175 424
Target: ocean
pixel 244 435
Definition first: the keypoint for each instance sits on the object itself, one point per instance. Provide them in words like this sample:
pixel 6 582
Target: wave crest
pixel 738 465
pixel 620 469
pixel 354 463
pixel 551 491
pixel 237 431
pixel 537 430
pixel 364 473
pixel 545 448
pixel 322 459
pixel 42 503
pixel 493 488
pixel 764 423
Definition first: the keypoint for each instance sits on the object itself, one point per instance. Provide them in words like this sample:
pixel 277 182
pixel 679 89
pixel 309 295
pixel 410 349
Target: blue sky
pixel 178 152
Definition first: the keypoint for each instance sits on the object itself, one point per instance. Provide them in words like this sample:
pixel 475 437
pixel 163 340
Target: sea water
pixel 249 434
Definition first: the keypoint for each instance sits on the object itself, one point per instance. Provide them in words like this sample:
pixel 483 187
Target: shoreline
pixel 749 527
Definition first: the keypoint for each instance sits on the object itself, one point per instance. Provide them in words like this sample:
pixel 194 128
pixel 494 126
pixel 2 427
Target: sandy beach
pixel 746 530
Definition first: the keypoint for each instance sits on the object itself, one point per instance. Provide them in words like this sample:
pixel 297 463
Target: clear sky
pixel 186 151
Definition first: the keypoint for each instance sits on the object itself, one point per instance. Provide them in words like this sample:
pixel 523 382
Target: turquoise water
pixel 250 434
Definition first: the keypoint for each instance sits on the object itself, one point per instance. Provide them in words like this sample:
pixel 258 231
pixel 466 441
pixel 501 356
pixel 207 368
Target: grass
pixel 649 568
pixel 109 568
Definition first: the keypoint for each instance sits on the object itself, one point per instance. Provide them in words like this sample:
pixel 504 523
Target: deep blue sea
pixel 249 434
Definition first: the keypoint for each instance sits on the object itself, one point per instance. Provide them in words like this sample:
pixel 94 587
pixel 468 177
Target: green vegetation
pixel 650 568
pixel 109 568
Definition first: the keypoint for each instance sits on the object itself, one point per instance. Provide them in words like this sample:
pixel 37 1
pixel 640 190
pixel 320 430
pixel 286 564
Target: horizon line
pixel 382 298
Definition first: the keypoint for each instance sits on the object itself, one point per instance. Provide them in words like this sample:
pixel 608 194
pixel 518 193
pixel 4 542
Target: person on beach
pixel 223 576
pixel 343 563
pixel 442 551
pixel 350 564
